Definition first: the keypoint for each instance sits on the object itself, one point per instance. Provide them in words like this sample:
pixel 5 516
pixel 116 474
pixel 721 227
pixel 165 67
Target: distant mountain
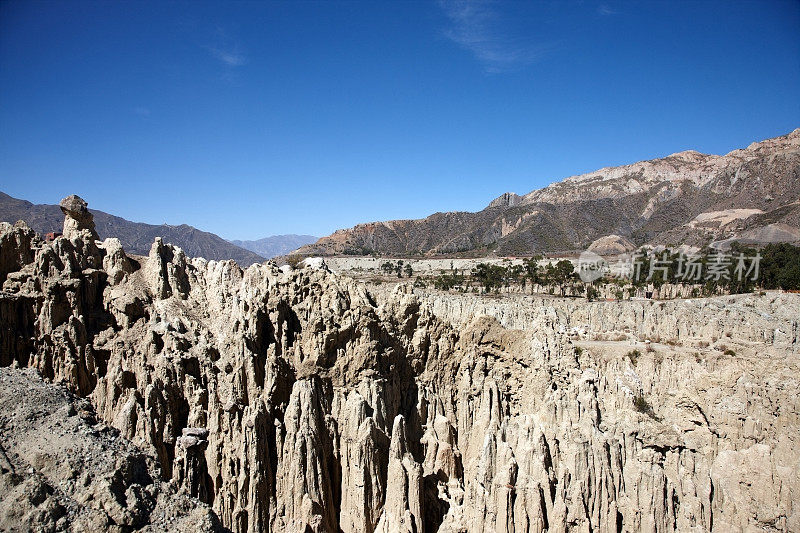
pixel 136 237
pixel 752 194
pixel 276 245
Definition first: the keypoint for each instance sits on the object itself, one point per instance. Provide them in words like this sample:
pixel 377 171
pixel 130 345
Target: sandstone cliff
pixel 296 400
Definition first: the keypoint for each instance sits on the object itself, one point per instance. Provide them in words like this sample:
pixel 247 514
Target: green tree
pixel 387 267
pixel 532 270
pixel 490 276
pixel 563 273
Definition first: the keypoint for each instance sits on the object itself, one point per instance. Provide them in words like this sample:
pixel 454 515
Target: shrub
pixel 591 293
pixel 294 260
pixel 729 352
pixel 640 404
pixel 634 355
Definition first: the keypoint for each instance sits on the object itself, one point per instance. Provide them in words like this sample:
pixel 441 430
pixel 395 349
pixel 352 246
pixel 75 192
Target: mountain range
pixel 136 237
pixel 276 245
pixel 688 198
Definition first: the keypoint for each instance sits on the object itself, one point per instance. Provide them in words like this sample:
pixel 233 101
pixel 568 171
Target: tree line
pixel 777 267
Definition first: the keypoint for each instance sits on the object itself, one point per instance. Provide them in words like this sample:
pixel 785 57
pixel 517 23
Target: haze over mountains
pixel 136 237
pixel 688 198
pixel 275 245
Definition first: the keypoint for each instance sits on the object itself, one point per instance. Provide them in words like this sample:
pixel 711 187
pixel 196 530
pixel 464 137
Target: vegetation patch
pixel 641 405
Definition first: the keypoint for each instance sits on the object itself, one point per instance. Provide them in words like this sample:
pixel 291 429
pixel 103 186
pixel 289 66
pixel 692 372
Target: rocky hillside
pixel 136 237
pixel 685 198
pixel 276 245
pixel 63 470
pixel 296 400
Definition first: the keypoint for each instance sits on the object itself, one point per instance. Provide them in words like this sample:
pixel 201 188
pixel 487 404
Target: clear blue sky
pixel 252 119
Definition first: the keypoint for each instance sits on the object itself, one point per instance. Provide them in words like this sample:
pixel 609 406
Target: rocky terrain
pixel 746 320
pixel 61 469
pixel 136 237
pixel 276 245
pixel 297 400
pixel 686 198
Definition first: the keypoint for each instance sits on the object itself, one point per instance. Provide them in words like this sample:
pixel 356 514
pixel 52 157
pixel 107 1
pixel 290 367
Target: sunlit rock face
pixel 77 217
pixel 296 400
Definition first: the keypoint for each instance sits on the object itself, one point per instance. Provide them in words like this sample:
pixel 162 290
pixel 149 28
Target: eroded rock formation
pixel 295 400
pixel 62 470
pixel 771 319
pixel 77 217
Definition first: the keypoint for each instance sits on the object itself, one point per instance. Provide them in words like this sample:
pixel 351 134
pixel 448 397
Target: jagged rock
pixel 750 318
pixel 191 470
pixel 77 218
pixel 167 270
pixel 300 401
pixel 116 264
pixel 16 247
pixel 403 509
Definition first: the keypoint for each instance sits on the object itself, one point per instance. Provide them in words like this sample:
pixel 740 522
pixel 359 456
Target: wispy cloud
pixel 605 9
pixel 227 50
pixel 232 58
pixel 142 111
pixel 478 26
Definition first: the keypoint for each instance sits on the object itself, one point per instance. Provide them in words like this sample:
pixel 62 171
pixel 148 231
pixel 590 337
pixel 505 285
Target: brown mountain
pixel 136 237
pixel 687 197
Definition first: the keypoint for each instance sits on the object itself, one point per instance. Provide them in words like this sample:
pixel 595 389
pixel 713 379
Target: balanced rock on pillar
pixel 77 217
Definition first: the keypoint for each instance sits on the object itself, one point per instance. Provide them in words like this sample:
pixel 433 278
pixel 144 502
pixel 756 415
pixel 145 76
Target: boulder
pixel 77 217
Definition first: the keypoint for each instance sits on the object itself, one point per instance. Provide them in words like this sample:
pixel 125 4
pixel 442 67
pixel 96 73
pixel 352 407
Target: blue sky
pixel 252 119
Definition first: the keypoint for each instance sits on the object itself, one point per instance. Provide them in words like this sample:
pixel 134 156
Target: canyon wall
pixel 296 400
pixel 771 319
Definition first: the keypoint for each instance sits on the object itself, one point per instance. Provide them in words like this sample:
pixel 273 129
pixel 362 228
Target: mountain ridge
pixel 275 245
pixel 646 202
pixel 136 237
